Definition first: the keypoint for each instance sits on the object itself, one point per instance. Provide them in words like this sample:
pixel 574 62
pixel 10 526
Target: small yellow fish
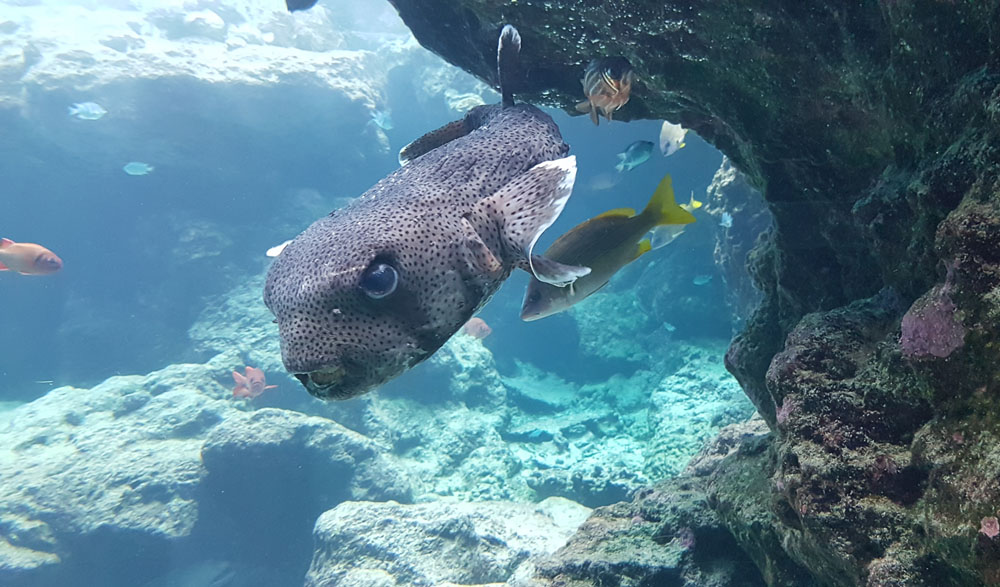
pixel 607 84
pixel 605 244
pixel 693 204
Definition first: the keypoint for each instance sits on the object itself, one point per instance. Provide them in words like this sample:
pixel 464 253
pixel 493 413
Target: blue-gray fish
pixel 378 286
pixel 634 155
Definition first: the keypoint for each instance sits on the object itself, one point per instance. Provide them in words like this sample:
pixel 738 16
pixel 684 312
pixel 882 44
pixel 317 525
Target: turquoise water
pixel 126 459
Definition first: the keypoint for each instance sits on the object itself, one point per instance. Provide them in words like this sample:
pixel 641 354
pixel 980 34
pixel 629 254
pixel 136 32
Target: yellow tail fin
pixel 663 208
pixel 642 248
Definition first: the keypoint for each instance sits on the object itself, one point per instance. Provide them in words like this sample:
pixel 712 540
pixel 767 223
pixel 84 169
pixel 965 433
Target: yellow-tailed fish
pixel 692 204
pixel 605 244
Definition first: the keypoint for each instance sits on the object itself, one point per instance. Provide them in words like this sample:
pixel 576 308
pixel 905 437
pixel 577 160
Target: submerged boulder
pixel 362 543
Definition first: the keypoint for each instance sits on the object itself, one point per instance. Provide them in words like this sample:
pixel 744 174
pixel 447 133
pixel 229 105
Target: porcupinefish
pixel 605 243
pixel 607 84
pixel 378 286
pixel 27 258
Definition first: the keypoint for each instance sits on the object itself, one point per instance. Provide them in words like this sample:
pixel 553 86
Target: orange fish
pixel 607 83
pixel 251 384
pixel 27 258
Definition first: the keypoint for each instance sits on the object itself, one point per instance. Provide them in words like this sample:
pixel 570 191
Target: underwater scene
pixel 463 293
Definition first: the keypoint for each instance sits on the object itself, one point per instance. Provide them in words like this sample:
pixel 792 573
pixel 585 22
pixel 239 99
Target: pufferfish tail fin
pixel 663 209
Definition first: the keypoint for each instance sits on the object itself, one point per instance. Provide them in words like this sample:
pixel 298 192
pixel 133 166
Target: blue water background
pixel 132 285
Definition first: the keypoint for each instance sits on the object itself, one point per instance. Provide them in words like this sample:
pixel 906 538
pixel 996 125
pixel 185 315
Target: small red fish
pixel 477 328
pixel 27 258
pixel 607 84
pixel 251 384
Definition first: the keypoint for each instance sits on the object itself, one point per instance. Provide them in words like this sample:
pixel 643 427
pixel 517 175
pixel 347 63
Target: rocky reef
pixel 870 129
pixel 144 477
pixel 119 482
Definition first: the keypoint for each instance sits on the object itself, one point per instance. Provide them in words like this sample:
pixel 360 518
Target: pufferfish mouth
pixel 328 384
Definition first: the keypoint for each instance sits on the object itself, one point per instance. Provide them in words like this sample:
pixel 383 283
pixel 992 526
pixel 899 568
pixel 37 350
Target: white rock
pixel 437 543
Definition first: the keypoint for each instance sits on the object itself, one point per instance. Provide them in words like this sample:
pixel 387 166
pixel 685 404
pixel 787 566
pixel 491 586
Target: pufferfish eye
pixel 379 280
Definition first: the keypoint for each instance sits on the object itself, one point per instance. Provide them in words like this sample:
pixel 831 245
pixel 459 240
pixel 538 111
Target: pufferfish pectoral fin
pixel 525 207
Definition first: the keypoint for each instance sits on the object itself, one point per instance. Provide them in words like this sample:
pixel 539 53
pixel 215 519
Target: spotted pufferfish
pixel 374 288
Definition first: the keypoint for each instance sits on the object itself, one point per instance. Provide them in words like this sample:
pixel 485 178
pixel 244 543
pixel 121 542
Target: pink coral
pixel 685 538
pixel 989 527
pixel 787 407
pixel 930 327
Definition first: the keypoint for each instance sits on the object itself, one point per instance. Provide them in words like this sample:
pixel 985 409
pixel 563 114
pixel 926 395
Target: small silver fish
pixel 137 168
pixel 87 111
pixel 662 236
pixel 382 119
pixel 671 138
pixel 634 155
pixel 726 220
pixel 701 279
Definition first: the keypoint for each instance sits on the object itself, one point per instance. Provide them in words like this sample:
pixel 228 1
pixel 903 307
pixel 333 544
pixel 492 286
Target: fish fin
pixel 595 117
pixel 662 209
pixel 508 48
pixel 433 140
pixel 239 378
pixel 555 273
pixel 642 248
pixel 528 205
pixel 4 267
pixel 584 107
pixel 621 166
pixel 270 386
pixel 681 146
pixel 480 254
pixel 5 242
pixel 617 212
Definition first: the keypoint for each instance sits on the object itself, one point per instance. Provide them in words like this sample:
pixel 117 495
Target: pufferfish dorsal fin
pixel 433 140
pixel 525 207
